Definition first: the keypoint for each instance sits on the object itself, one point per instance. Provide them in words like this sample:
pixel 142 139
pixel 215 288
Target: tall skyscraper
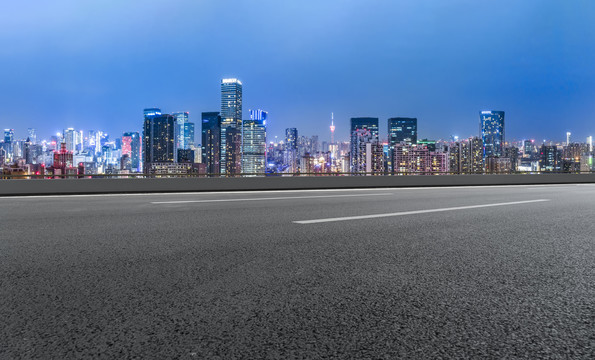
pixel 211 141
pixel 8 135
pixel 131 147
pixel 32 134
pixel 181 118
pixel 69 136
pixel 369 124
pixel 491 128
pixel 184 131
pixel 401 129
pixel 231 126
pixel 158 135
pixel 254 143
pixel 291 136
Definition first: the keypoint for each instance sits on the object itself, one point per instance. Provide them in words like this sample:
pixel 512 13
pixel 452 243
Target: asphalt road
pixel 301 274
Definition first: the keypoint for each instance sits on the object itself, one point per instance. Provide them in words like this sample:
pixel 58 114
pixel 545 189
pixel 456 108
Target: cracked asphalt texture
pixel 120 277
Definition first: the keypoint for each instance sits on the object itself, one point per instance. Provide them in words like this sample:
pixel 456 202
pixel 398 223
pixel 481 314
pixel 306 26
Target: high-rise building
pixel 292 155
pixel 181 118
pixel 491 129
pixel 211 141
pixel 69 137
pixel 370 124
pixel 131 147
pixel 549 158
pixel 254 143
pixel 401 129
pixel 367 153
pixel 291 136
pixel 231 127
pixel 158 139
pixel 8 135
pixel 184 131
pixel 32 135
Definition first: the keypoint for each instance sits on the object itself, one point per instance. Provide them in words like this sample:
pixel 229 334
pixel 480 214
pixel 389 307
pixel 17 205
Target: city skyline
pixel 440 66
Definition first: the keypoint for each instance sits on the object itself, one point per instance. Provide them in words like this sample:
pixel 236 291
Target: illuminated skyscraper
pixel 254 143
pixel 211 141
pixel 491 128
pixel 32 135
pixel 291 136
pixel 8 135
pixel 401 129
pixel 231 126
pixel 158 139
pixel 184 131
pixel 69 139
pixel 131 147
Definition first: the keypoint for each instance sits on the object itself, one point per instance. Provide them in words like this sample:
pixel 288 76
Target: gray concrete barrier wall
pixel 103 186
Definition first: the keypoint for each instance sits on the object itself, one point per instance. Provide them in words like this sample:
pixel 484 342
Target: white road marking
pixel 478 187
pixel 347 218
pixel 269 198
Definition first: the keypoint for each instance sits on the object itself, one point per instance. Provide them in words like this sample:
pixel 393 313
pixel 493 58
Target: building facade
pixel 491 128
pixel 254 143
pixel 211 141
pixel 231 127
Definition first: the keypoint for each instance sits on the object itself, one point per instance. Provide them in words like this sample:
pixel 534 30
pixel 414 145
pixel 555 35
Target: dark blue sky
pixel 97 64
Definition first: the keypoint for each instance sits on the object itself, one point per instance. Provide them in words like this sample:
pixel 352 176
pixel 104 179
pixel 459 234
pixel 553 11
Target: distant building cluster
pixel 234 146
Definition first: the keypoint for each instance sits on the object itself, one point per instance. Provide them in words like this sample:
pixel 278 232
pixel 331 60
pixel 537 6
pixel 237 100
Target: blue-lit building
pixel 291 136
pixel 254 143
pixel 491 129
pixel 184 131
pixel 231 127
pixel 211 141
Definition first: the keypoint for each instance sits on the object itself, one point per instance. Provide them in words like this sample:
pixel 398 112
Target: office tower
pixel 549 158
pixel 188 135
pixel 69 139
pixel 8 135
pixel 32 135
pixel 291 136
pixel 181 119
pixel 231 127
pixel 158 139
pixel 254 143
pixel 131 147
pixel 151 112
pixel 401 129
pixel 184 131
pixel 491 128
pixel 590 143
pixel 369 124
pixel 211 141
pixel 568 138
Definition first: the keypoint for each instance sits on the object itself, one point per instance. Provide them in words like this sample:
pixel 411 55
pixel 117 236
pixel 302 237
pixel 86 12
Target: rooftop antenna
pixel 332 128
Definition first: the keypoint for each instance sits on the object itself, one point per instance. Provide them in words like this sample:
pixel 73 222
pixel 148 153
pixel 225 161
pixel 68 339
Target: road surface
pixel 502 271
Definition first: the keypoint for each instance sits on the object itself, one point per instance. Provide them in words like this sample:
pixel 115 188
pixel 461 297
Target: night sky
pixel 97 64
